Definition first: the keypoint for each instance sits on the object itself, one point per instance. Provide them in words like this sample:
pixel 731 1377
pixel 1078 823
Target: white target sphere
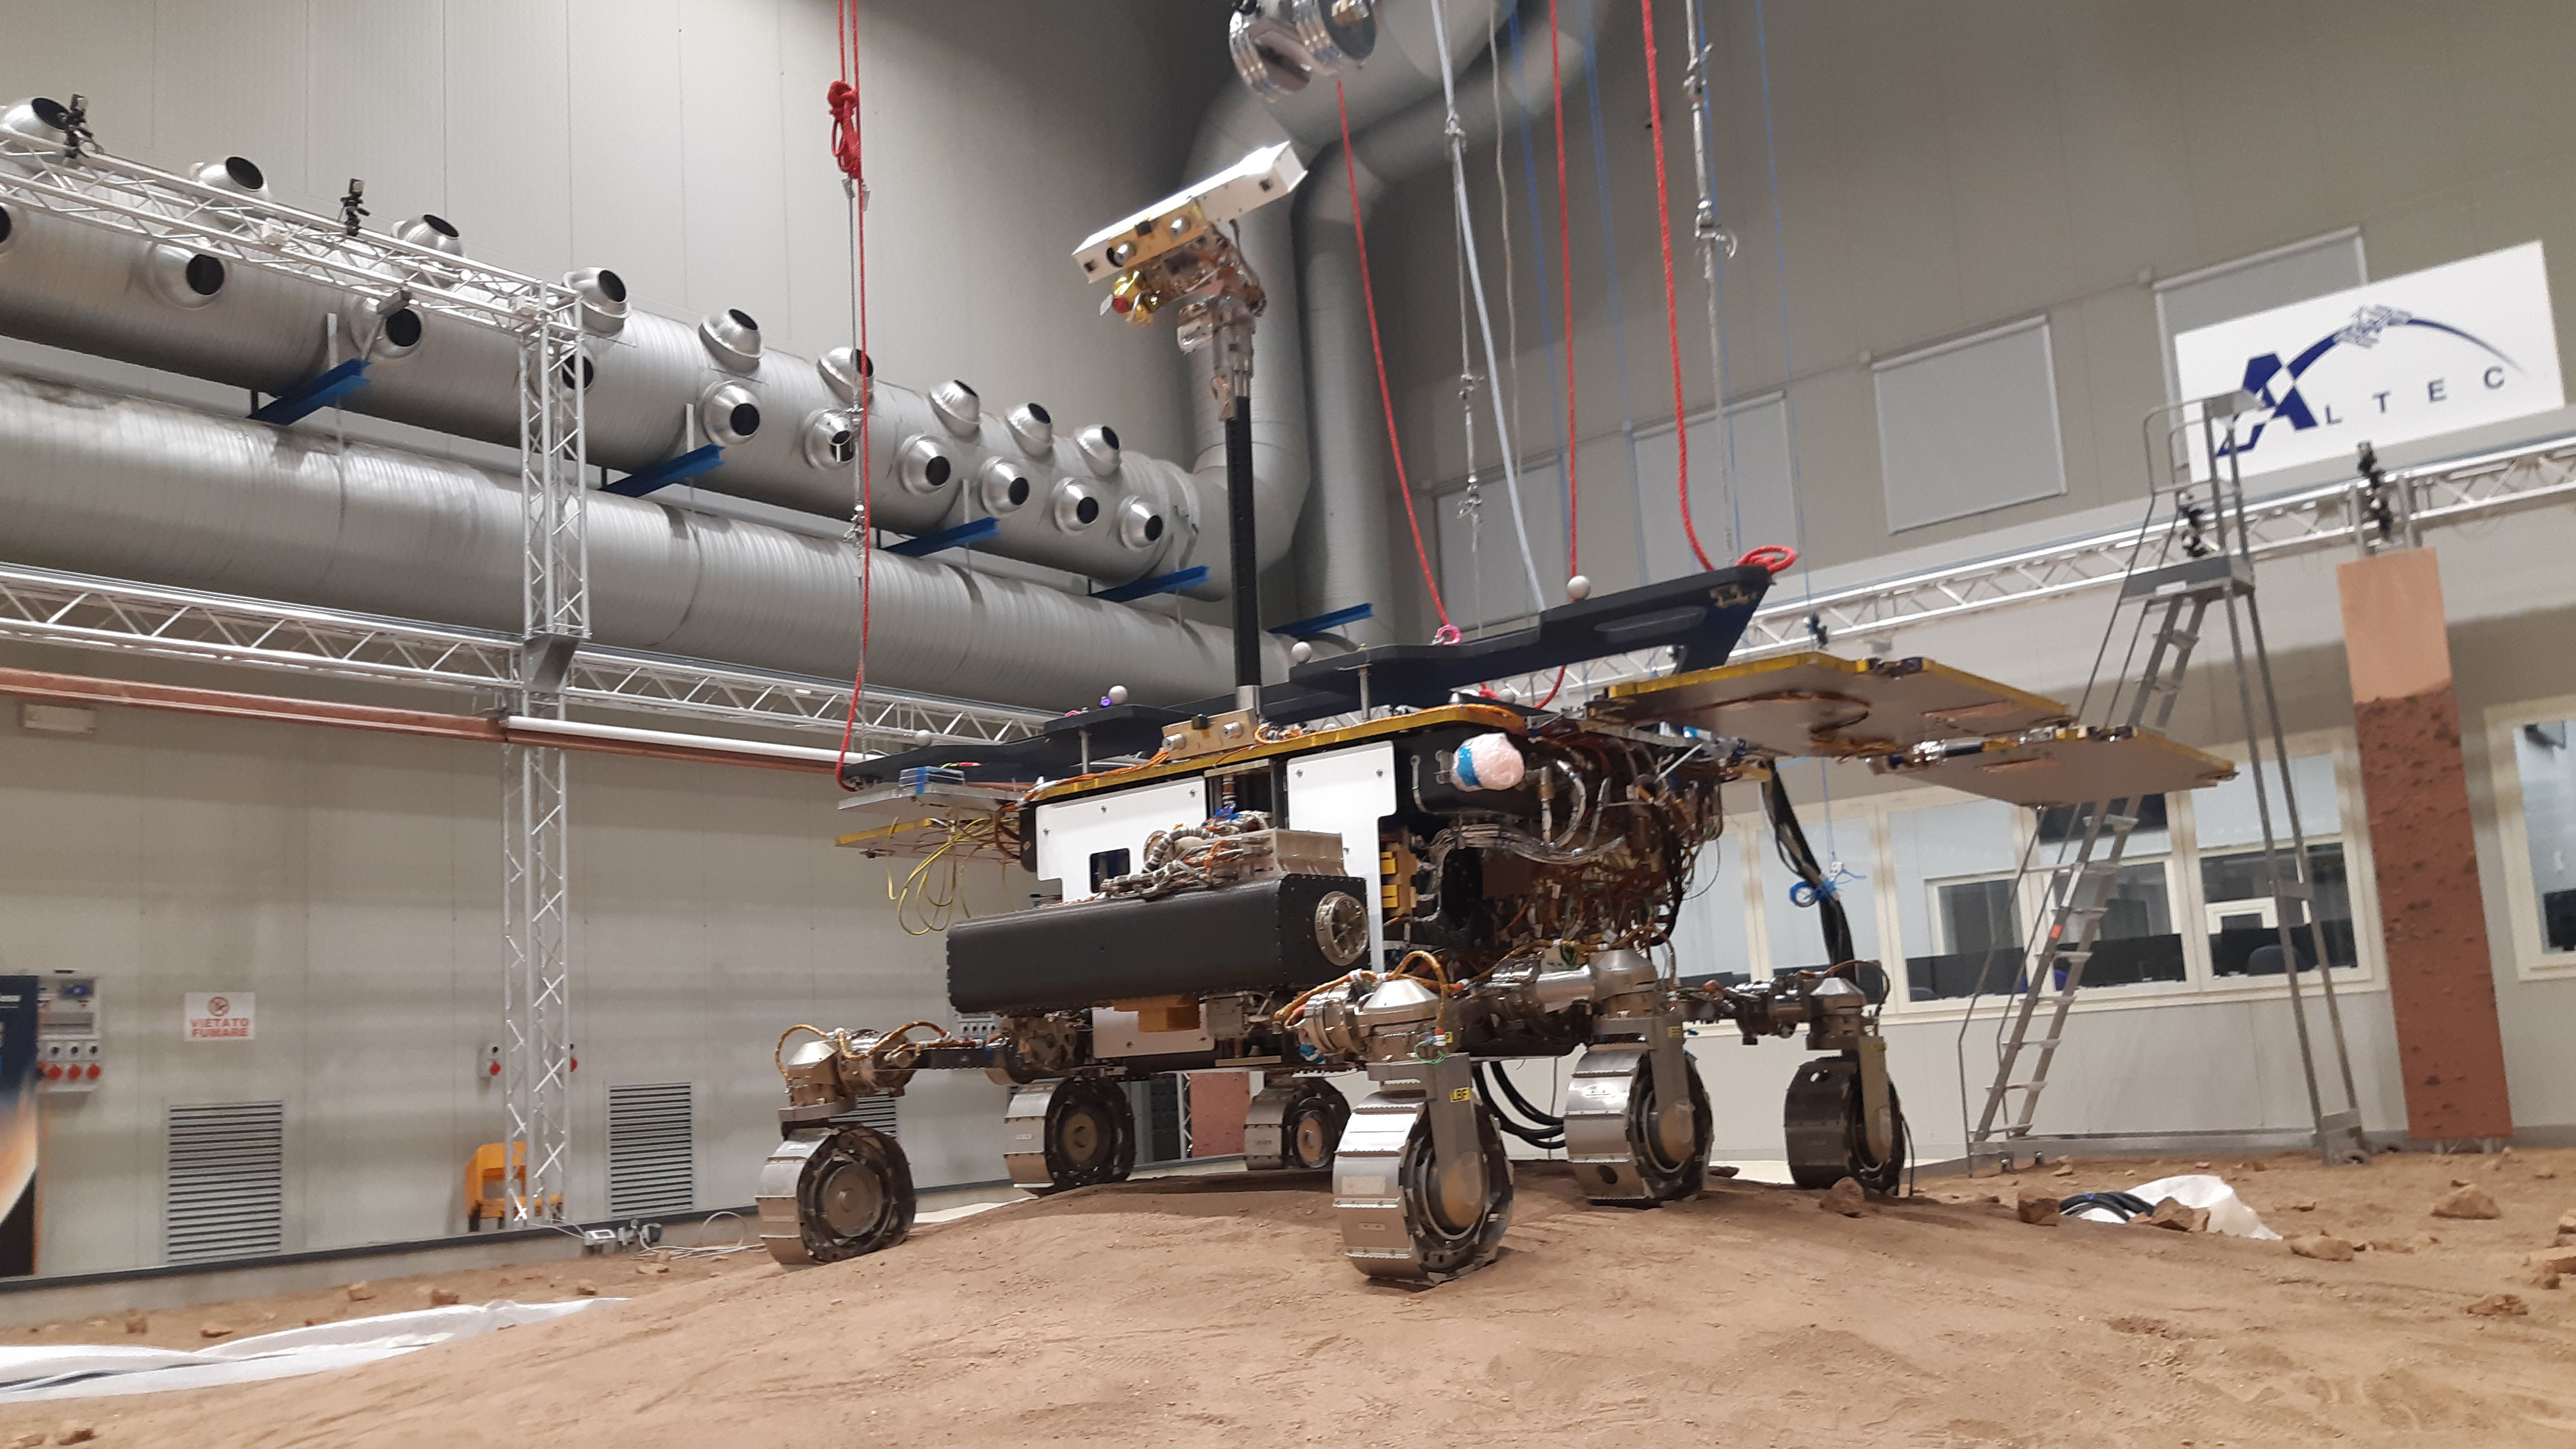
pixel 1117 694
pixel 1578 587
pixel 1301 651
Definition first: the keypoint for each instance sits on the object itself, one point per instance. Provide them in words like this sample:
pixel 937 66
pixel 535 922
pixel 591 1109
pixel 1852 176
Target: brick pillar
pixel 2424 854
pixel 1218 1101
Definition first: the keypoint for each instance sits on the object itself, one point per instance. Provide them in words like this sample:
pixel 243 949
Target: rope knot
pixel 843 98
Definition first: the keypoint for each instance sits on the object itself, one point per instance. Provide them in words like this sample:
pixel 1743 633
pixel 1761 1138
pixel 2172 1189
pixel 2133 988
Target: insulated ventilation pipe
pixel 96 483
pixel 656 389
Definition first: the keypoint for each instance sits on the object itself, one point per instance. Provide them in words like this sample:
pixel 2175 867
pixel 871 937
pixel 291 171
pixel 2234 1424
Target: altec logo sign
pixel 2417 356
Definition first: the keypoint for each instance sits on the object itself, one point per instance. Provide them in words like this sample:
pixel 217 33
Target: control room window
pixel 2545 770
pixel 2236 892
pixel 2136 942
pixel 1951 870
pixel 1711 939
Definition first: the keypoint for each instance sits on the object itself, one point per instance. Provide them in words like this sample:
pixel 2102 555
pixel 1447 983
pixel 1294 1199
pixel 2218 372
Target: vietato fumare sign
pixel 2432 352
pixel 218 1016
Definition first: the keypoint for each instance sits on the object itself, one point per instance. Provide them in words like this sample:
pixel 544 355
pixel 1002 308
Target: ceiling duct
pixel 125 487
pixel 65 282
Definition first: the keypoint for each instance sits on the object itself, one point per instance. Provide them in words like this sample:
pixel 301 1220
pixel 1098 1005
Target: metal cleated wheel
pixel 1630 1149
pixel 1295 1125
pixel 1406 1214
pixel 1828 1141
pixel 834 1193
pixel 1068 1133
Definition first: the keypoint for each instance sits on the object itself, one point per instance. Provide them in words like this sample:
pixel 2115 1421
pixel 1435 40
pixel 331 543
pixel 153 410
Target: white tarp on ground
pixel 2227 1212
pixel 79 1371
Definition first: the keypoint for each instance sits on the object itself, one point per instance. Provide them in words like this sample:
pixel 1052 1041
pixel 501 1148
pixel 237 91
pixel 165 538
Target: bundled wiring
pixel 1495 1085
pixel 1672 297
pixel 1457 134
pixel 1448 633
pixel 933 892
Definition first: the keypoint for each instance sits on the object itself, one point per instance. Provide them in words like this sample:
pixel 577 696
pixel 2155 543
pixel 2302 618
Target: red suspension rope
pixel 1565 267
pixel 1386 398
pixel 849 152
pixel 1672 300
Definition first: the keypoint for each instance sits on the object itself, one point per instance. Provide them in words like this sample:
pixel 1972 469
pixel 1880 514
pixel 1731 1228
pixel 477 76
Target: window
pixel 2253 284
pixel 1952 872
pixel 1750 450
pixel 2549 823
pixel 1482 579
pixel 1712 939
pixel 2529 749
pixel 2235 886
pixel 1969 427
pixel 2135 942
pixel 1935 891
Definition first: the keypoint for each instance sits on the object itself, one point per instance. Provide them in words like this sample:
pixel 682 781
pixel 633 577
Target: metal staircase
pixel 2195 553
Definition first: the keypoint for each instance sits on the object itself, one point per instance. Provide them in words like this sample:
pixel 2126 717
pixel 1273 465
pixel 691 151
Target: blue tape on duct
pixel 1159 584
pixel 314 394
pixel 1324 623
pixel 948 538
pixel 669 471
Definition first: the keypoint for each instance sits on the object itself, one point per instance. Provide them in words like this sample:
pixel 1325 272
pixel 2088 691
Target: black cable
pixel 1547 1139
pixel 1502 1082
pixel 2127 1205
pixel 1244 555
pixel 1791 843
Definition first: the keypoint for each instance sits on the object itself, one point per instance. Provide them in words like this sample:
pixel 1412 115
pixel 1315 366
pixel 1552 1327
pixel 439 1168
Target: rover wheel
pixel 1314 1128
pixel 1407 1214
pixel 834 1194
pixel 1294 1125
pixel 1828 1141
pixel 1628 1148
pixel 1070 1133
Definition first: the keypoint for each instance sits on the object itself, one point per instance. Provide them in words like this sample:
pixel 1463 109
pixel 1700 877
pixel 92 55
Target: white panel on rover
pixel 1072 832
pixel 1349 792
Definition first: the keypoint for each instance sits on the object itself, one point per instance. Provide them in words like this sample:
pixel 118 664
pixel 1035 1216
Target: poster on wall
pixel 218 1016
pixel 19 1125
pixel 2432 352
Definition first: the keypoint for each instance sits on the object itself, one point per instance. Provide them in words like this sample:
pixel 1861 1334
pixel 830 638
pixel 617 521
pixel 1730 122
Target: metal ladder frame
pixel 2183 593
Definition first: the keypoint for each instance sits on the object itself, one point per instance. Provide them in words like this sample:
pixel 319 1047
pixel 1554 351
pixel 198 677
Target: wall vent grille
pixel 226 1189
pixel 652 1149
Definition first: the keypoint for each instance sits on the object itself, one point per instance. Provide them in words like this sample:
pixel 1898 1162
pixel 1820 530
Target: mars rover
pixel 1418 897
pixel 1375 871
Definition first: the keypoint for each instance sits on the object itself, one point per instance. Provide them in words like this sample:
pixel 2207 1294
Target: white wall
pixel 352 882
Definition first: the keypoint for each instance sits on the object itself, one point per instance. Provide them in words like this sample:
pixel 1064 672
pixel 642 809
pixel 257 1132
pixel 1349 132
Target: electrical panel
pixel 67 1040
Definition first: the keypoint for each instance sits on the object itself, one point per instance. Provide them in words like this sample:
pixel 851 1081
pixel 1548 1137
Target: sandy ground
pixel 1216 1310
